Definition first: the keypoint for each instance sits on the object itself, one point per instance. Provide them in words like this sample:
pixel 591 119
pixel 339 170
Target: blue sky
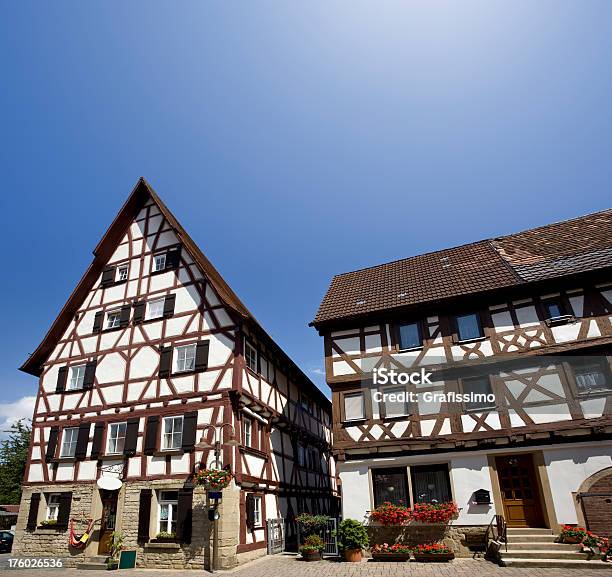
pixel 293 140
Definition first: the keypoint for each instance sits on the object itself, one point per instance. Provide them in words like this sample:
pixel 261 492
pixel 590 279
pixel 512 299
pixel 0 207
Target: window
pixel 168 508
pixel 554 308
pixel 250 354
pixel 155 309
pixel 185 358
pixel 159 262
pixel 390 485
pixel 395 406
pixel 173 433
pixel 122 273
pixel 354 406
pixel 591 376
pixel 69 442
pixel 468 327
pixel 256 511
pixel 77 378
pixel 430 484
pixel 248 433
pixel 301 455
pixel 113 319
pixel 116 438
pixel 478 386
pixel 410 336
pixel 53 502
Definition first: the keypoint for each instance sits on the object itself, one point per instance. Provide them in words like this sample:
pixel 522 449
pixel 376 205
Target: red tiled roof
pixel 550 251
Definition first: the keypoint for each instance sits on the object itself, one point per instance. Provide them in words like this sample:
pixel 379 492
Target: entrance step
pixel 542 546
pixel 555 563
pixel 531 538
pixel 543 554
pixel 528 531
pixel 94 563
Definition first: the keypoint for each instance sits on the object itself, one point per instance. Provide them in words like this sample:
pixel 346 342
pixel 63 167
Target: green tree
pixel 13 457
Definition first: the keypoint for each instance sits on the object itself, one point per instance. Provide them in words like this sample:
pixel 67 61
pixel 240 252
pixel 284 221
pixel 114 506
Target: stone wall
pixel 453 536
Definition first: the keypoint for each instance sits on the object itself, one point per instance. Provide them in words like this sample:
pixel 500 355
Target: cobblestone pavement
pixel 290 566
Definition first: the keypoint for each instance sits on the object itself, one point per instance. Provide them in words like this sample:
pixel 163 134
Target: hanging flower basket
pixel 213 479
pixel 432 553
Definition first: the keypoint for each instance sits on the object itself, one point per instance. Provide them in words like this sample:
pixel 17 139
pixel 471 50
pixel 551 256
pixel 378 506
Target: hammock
pixel 80 540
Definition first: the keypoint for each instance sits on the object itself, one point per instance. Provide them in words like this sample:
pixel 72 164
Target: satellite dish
pixel 109 483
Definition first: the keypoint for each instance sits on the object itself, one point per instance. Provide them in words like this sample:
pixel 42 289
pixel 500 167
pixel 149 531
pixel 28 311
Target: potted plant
pixel 312 523
pixel 115 546
pixel 312 548
pixel 439 513
pixel 352 538
pixel 389 514
pixel 395 552
pixel 214 479
pixel 572 535
pixel 432 552
pixel 165 537
pixel 596 546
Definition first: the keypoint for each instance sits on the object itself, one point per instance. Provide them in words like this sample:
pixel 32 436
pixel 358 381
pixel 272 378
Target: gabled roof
pixel 139 196
pixel 552 251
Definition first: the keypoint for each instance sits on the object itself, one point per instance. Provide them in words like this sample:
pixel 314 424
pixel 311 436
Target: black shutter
pixel 97 326
pixel 201 360
pixel 139 311
pixel 151 436
pixel 33 512
pixel 144 514
pixel 52 444
pixel 165 360
pixel 131 437
pixel 62 377
pixel 63 513
pixel 82 440
pixel 183 515
pixel 96 446
pixel 190 423
pixel 250 511
pixel 108 276
pixel 169 305
pixel 173 258
pixel 124 318
pixel 90 372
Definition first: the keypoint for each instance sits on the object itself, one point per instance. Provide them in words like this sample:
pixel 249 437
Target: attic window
pixel 402 295
pixel 445 262
pixel 122 273
pixel 159 262
pixel 360 302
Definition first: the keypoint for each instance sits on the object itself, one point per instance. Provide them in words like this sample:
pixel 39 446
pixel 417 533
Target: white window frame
pixel 250 356
pixel 257 512
pixel 116 434
pixel 150 304
pixel 77 378
pixel 72 443
pixel 53 503
pixel 248 432
pixel 119 277
pixel 180 364
pixel 175 436
pixel 116 316
pixel 156 263
pixel 363 407
pixel 172 505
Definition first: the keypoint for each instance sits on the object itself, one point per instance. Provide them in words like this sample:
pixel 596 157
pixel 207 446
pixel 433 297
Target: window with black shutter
pixel 96 446
pixel 173 258
pixel 131 437
pixel 108 276
pixel 82 441
pixel 201 360
pixel 124 318
pixel 139 311
pixel 33 512
pixel 184 517
pixel 144 515
pixel 190 423
pixel 90 373
pixel 98 319
pixel 62 377
pixel 151 435
pixel 165 361
pixel 250 511
pixel 63 514
pixel 169 305
pixel 51 444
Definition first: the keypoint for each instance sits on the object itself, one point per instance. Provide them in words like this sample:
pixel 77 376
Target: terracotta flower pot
pixel 433 557
pixel 572 540
pixel 352 555
pixel 311 555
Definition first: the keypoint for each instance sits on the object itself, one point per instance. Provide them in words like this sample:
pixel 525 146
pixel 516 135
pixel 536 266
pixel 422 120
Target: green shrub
pixel 312 544
pixel 352 535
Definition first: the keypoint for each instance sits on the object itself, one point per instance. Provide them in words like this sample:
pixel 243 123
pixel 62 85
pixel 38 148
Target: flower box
pixel 311 555
pixel 393 557
pixel 433 557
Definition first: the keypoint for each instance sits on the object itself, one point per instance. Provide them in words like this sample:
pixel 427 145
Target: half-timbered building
pixel 525 318
pixel 151 349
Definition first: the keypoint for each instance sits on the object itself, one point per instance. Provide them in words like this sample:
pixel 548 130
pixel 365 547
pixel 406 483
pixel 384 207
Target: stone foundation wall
pixel 453 536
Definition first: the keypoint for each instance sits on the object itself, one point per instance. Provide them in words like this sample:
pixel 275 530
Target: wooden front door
pixel 520 491
pixel 107 523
